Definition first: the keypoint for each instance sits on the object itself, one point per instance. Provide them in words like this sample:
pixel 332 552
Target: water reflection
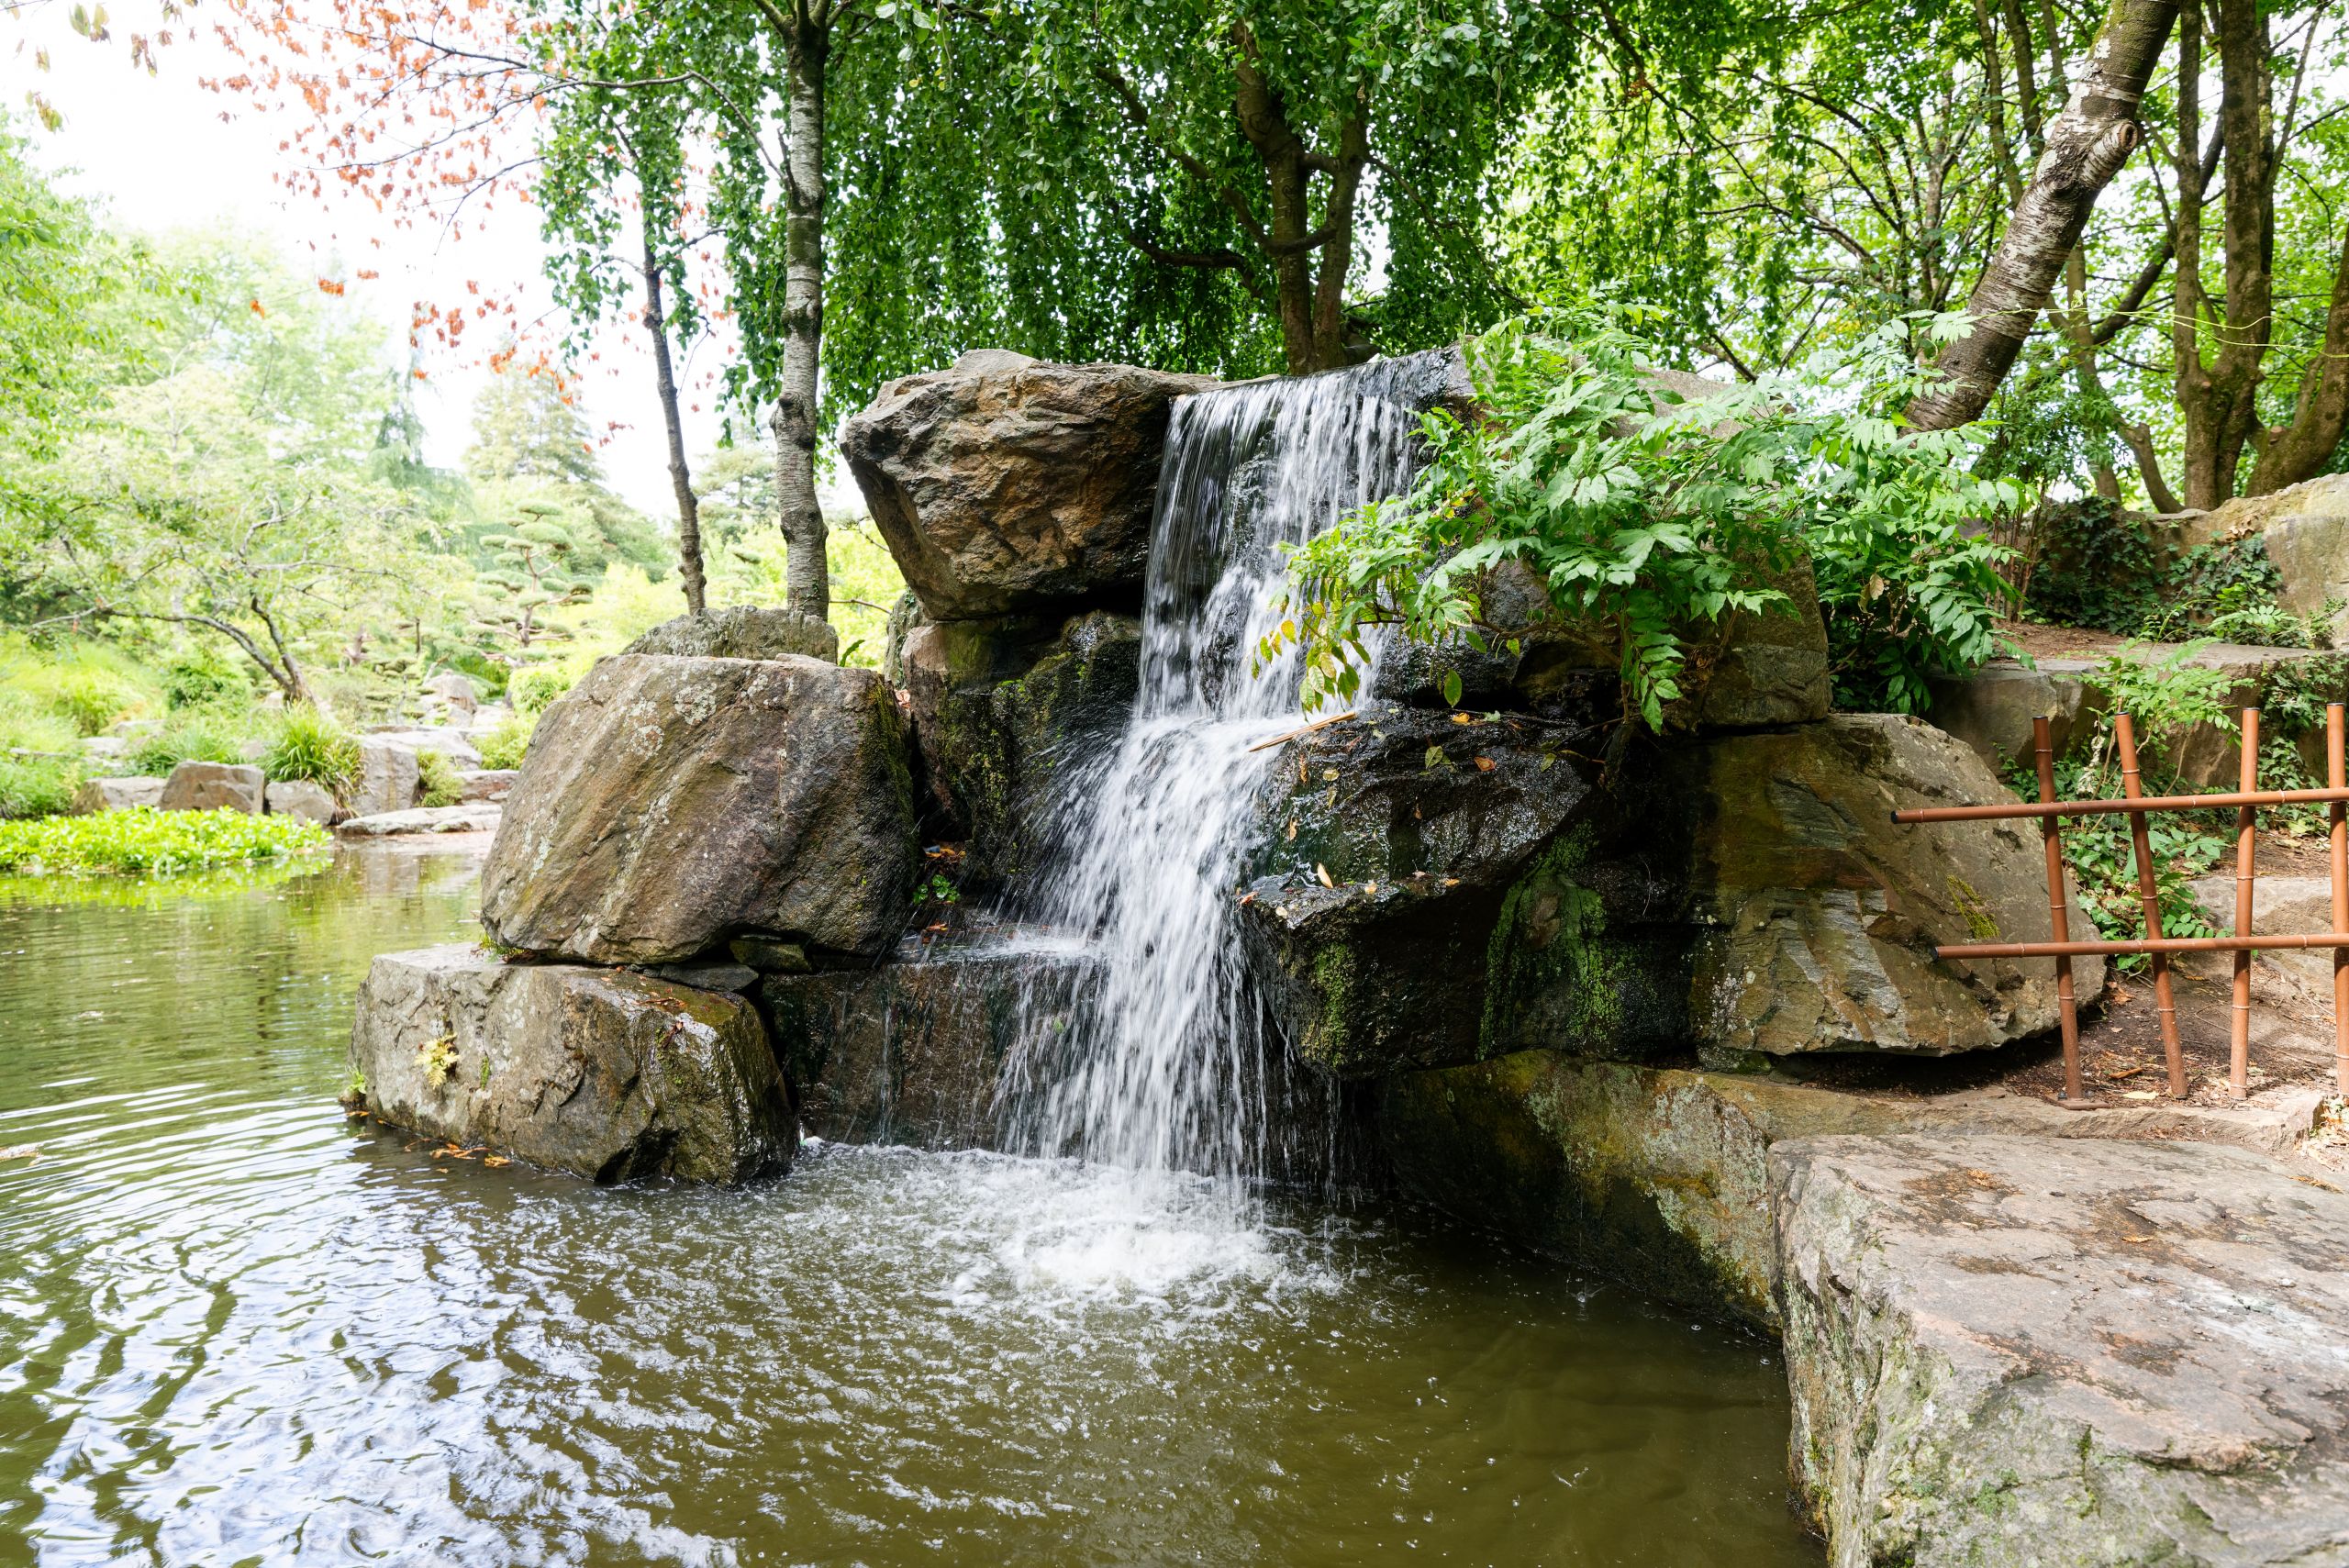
pixel 233 1330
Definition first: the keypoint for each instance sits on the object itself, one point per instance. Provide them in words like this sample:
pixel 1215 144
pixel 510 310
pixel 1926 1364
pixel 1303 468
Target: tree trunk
pixel 680 478
pixel 807 581
pixel 2086 145
pixel 1311 297
pixel 2302 449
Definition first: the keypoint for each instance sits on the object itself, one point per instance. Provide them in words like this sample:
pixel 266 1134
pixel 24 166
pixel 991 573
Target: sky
pixel 158 154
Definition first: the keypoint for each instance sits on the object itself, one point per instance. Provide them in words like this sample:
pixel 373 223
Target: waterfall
pixel 1172 1067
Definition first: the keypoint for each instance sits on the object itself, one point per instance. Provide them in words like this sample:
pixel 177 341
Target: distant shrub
pixel 437 780
pixel 203 678
pixel 199 736
pixel 504 746
pixel 37 787
pixel 145 839
pixel 534 690
pixel 312 747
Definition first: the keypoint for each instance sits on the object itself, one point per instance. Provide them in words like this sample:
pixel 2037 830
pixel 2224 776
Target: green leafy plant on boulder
pixel 311 747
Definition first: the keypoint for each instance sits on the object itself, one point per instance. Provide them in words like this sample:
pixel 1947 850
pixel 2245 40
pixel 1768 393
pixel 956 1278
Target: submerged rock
pixel 668 804
pixel 2011 1351
pixel 116 795
pixel 743 631
pixel 1005 485
pixel 602 1073
pixel 214 786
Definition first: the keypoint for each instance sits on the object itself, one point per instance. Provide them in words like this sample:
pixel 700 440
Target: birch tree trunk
pixel 665 375
pixel 2086 145
pixel 806 51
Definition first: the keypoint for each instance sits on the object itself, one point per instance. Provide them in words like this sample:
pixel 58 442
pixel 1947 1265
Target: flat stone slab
pixel 476 818
pixel 2045 1350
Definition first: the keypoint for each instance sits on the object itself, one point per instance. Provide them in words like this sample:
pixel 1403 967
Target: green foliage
pixel 145 839
pixel 437 780
pixel 504 746
pixel 2163 695
pixel 2097 569
pixel 2293 696
pixel 310 746
pixel 203 736
pixel 1649 517
pixel 203 677
pixel 37 787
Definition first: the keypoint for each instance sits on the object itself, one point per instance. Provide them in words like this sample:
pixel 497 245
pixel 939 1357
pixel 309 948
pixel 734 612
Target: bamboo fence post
pixel 2335 770
pixel 2239 1052
pixel 2124 735
pixel 2051 829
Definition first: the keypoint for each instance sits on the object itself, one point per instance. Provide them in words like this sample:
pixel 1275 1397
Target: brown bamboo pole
pixel 2058 926
pixel 2254 944
pixel 2336 768
pixel 2022 808
pixel 2124 735
pixel 2246 874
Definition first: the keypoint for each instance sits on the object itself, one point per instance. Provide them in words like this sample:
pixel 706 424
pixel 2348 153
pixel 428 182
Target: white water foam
pixel 1172 1075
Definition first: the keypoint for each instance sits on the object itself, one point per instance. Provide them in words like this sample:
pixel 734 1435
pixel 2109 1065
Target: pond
pixel 233 1328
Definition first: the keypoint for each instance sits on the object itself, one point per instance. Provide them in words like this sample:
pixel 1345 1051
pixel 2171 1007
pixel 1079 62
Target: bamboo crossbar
pixel 2027 809
pixel 2246 800
pixel 2143 944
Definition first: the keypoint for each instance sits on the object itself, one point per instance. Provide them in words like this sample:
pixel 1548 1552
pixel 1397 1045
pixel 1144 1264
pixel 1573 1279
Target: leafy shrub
pixel 2098 568
pixel 145 839
pixel 504 746
pixel 2293 696
pixel 310 746
pixel 37 787
pixel 204 678
pixel 534 689
pixel 2164 697
pixel 1650 518
pixel 437 781
pixel 197 736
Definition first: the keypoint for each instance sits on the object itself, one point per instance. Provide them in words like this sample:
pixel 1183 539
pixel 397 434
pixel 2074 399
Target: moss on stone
pixel 1553 972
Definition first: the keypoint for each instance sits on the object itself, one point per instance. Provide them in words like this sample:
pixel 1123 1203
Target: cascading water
pixel 1173 1067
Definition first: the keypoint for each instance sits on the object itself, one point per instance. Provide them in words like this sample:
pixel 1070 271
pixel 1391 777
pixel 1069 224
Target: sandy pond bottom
pixel 233 1330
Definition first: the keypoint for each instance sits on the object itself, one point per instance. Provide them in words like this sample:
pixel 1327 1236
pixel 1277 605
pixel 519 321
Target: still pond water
pixel 235 1330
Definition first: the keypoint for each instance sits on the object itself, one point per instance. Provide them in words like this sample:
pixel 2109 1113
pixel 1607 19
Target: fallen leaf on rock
pixel 495 1160
pixel 1462 718
pixel 1246 899
pixel 1292 829
pixel 1323 873
pixel 1328 773
pixel 1485 764
pixel 940 927
pixel 1451 881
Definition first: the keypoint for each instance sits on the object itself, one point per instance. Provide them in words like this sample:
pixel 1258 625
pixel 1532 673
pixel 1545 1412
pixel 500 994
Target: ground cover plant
pixel 145 839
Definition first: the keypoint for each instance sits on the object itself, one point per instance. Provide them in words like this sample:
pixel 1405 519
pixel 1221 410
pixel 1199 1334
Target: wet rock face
pixel 743 631
pixel 2011 1351
pixel 1817 917
pixel 214 786
pixel 670 804
pixel 1005 485
pixel 912 1053
pixel 1002 710
pixel 601 1073
pixel 1420 826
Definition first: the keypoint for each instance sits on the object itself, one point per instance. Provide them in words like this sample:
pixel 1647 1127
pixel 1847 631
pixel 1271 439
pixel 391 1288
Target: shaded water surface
pixel 233 1330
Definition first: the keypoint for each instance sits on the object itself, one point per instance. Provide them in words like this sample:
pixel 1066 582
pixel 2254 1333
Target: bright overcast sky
pixel 157 153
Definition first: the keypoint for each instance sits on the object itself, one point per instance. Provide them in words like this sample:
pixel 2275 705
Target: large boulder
pixel 1817 915
pixel 604 1073
pixel 1381 854
pixel 116 795
pixel 2306 530
pixel 1005 485
pixel 2023 1350
pixel 669 803
pixel 1001 710
pixel 389 779
pixel 214 786
pixel 743 631
pixel 453 689
pixel 300 798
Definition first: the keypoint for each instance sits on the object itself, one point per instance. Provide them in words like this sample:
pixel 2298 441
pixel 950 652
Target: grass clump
pixel 504 746
pixel 198 736
pixel 311 747
pixel 146 839
pixel 437 781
